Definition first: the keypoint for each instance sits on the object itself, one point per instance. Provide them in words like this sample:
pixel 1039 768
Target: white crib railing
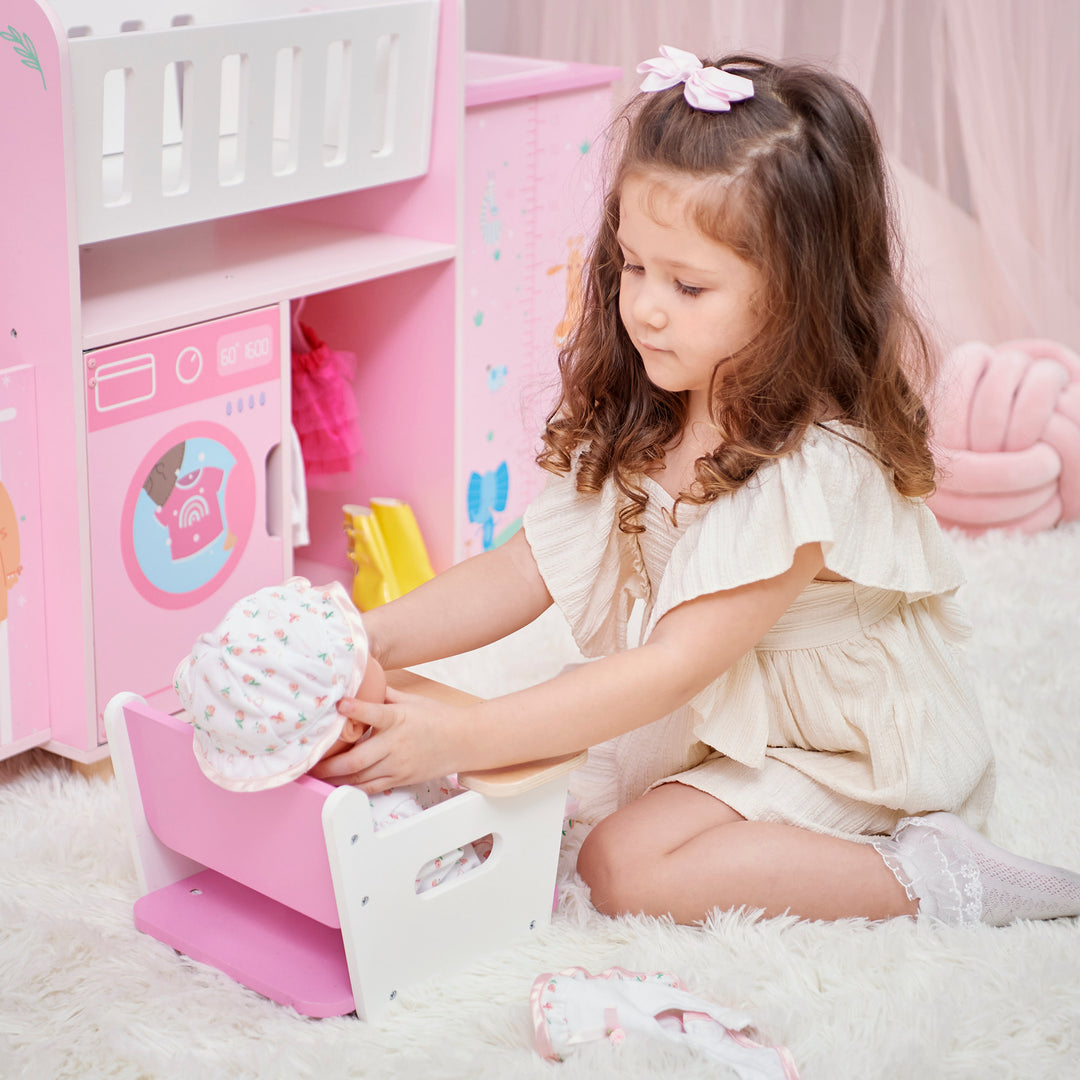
pixel 194 122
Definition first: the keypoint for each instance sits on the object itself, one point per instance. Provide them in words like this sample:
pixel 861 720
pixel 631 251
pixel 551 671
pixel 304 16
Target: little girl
pixel 739 446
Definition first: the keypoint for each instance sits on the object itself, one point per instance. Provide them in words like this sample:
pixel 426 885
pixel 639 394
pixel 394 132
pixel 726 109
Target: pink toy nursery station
pixel 177 180
pixel 217 206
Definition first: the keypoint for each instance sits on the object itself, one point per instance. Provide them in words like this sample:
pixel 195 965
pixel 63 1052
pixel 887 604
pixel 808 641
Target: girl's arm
pixel 474 603
pixel 415 739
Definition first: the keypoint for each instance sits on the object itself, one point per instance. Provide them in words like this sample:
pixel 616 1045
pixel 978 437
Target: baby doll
pixel 262 688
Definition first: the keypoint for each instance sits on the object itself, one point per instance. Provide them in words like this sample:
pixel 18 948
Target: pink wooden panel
pixel 38 300
pixel 267 947
pixel 24 683
pixel 494 78
pixel 271 841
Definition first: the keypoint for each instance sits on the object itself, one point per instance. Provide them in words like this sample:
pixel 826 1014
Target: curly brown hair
pixel 801 194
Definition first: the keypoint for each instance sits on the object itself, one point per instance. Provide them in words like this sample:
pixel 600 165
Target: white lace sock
pixel 961 878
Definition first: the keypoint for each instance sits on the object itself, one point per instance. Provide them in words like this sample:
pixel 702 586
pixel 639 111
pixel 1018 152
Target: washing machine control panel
pixel 181 367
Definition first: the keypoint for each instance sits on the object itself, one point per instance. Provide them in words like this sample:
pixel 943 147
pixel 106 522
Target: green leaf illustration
pixel 24 49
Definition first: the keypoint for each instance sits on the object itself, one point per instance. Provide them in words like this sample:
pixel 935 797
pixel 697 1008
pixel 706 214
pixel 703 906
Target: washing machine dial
pixel 189 363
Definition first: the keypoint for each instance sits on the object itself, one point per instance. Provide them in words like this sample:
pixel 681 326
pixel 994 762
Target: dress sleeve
pixel 593 570
pixel 831 491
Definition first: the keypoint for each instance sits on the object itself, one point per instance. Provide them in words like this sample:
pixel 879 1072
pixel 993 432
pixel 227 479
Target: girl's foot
pixel 960 877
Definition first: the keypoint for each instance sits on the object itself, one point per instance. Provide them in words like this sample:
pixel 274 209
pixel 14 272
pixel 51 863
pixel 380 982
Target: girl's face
pixel 686 300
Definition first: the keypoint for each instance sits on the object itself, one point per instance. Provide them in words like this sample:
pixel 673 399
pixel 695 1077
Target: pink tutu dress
pixel 324 410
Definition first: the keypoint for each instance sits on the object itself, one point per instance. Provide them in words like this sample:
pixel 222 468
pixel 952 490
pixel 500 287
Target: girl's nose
pixel 647 308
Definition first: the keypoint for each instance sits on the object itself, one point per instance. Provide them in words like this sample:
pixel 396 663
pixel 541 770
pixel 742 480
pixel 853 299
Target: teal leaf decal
pixel 24 49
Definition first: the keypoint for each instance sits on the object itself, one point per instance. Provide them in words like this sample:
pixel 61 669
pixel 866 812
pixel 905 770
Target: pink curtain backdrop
pixel 977 101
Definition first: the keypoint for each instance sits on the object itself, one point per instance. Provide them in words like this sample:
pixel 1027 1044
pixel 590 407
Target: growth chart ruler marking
pixel 537 329
pixel 529 220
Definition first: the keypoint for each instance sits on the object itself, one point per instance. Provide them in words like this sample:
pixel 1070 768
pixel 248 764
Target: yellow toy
pixel 387 550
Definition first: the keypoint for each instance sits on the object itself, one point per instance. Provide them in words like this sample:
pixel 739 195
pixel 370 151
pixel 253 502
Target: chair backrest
pixel 272 841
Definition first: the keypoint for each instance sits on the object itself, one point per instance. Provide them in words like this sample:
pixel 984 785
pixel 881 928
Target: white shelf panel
pixel 151 282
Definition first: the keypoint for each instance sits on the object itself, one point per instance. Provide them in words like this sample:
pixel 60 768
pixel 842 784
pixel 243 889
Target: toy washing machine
pixel 180 427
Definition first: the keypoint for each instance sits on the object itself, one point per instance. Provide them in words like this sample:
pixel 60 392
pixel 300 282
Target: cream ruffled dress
pixel 852 712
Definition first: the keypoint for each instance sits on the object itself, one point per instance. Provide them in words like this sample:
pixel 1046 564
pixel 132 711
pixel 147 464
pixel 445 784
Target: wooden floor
pixel 95 770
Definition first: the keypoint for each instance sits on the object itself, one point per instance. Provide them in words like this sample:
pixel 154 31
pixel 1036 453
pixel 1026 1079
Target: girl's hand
pixel 412 738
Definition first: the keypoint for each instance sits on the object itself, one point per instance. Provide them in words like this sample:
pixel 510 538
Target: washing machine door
pixel 178 523
pixel 187 516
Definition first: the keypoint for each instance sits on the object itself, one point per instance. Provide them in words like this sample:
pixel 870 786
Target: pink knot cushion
pixel 1007 437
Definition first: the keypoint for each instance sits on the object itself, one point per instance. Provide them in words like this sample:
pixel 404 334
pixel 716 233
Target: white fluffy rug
pixel 83 994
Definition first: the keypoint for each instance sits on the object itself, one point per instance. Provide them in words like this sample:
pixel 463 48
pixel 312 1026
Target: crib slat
pixel 258 173
pixel 310 114
pixel 204 105
pixel 145 104
pixel 88 87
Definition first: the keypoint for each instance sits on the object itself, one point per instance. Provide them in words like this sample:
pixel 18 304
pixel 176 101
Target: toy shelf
pixel 151 282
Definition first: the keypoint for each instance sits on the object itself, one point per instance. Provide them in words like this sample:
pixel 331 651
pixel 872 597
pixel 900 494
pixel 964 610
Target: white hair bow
pixel 708 88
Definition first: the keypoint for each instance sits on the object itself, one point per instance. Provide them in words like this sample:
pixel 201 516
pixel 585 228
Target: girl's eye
pixel 684 290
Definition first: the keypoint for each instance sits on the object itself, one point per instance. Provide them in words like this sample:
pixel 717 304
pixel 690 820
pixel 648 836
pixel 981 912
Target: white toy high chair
pixel 292 893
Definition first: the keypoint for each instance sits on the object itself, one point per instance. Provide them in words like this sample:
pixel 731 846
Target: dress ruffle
pixel 593 570
pixel 832 491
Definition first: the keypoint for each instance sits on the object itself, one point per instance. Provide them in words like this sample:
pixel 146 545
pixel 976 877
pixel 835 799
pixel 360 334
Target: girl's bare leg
pixel 679 851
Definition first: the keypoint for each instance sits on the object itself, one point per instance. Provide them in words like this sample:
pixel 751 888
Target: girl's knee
pixel 609 865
